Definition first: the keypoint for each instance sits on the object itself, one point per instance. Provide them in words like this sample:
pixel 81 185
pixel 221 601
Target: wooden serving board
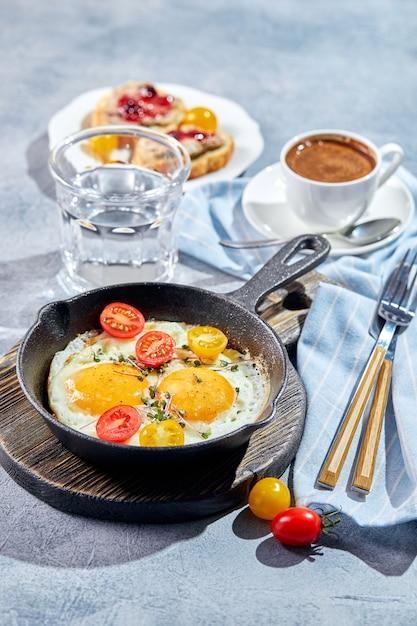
pixel 38 462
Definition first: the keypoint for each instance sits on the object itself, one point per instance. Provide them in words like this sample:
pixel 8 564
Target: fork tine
pixel 399 290
pixel 412 299
pixel 408 287
pixel 391 289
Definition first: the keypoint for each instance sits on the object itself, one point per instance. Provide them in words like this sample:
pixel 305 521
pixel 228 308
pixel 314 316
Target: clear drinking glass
pixel 118 189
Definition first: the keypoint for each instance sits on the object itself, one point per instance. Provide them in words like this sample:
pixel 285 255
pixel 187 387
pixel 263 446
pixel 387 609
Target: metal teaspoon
pixel 357 234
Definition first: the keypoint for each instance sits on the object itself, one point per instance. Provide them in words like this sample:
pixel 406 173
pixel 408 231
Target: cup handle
pixel 396 160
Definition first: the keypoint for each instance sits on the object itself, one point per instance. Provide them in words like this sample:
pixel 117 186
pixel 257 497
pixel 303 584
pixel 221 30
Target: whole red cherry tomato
pixel 297 526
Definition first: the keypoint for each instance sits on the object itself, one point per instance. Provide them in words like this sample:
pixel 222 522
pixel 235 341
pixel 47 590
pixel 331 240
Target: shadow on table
pixel 35 533
pixel 37 156
pixel 29 283
pixel 390 550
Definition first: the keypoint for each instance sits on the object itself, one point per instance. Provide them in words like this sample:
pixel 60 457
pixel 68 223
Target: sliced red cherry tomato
pixel 206 342
pixel 268 497
pixel 297 526
pixel 118 423
pixel 154 348
pixel 122 320
pixel 165 433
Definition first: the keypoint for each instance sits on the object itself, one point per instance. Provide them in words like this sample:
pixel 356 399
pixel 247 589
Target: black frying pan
pixel 235 313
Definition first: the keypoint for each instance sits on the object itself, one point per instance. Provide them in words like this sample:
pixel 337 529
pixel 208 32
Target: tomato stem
pixel 327 522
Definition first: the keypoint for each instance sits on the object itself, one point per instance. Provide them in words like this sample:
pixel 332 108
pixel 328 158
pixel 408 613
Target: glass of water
pixel 118 189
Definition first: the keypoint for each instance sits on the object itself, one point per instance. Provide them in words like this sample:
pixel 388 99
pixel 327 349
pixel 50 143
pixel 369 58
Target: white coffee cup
pixel 332 199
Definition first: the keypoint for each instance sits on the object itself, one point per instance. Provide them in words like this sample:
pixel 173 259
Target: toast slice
pixel 143 104
pixel 208 152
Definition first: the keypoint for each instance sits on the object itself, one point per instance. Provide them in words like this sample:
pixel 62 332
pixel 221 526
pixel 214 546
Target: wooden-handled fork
pixel 368 447
pixel 397 306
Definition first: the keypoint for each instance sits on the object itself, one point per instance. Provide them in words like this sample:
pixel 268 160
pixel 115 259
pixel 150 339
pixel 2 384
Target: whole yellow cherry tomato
pixel 201 118
pixel 268 497
pixel 160 434
pixel 207 342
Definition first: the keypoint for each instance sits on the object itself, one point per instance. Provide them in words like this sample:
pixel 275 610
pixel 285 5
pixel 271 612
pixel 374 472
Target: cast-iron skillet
pixel 235 313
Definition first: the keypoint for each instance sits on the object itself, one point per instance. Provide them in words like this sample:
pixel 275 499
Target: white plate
pixel 265 206
pixel 232 119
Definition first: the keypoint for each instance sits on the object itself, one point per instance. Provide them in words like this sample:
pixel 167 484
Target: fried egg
pixel 96 372
pixel 202 395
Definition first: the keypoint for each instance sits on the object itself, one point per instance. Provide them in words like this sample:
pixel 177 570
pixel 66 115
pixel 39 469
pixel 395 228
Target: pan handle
pixel 280 271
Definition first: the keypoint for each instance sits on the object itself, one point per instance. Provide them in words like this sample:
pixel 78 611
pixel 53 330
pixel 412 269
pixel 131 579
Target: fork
pixel 368 446
pixel 397 306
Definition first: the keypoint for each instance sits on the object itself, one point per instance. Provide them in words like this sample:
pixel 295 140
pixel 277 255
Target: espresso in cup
pixel 331 176
pixel 331 158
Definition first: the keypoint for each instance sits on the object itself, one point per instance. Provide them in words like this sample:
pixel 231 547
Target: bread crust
pixel 209 161
pixel 213 160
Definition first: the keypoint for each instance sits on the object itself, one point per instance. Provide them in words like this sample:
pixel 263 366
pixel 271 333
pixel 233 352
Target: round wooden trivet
pixel 37 461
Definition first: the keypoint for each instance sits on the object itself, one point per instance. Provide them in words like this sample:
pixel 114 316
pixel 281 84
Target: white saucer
pixel 265 207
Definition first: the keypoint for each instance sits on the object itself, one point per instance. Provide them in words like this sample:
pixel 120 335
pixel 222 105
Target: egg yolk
pixel 200 393
pixel 99 387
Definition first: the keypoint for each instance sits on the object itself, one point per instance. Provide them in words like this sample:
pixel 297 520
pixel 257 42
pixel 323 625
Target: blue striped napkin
pixel 211 212
pixel 331 354
pixel 332 350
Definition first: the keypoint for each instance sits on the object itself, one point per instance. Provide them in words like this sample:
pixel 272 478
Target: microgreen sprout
pixel 97 354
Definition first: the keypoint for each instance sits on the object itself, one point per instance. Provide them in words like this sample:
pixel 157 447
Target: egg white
pixel 246 375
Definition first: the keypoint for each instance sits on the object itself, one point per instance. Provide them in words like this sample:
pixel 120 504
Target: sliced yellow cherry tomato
pixel 103 146
pixel 202 118
pixel 206 342
pixel 161 434
pixel 268 497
